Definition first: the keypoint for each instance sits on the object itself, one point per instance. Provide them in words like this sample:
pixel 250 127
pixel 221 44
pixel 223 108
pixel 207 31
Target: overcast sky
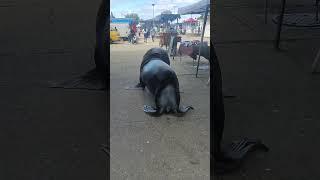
pixel 144 7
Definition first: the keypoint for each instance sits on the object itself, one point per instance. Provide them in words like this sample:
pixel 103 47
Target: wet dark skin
pixel 161 80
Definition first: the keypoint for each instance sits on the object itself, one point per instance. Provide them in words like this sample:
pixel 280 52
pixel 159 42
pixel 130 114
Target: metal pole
pixel 277 40
pixel 153 17
pixel 203 30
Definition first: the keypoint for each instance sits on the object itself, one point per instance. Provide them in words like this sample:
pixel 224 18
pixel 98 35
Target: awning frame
pixel 198 8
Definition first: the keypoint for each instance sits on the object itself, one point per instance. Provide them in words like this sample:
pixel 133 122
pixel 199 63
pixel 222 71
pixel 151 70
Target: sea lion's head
pixel 167 102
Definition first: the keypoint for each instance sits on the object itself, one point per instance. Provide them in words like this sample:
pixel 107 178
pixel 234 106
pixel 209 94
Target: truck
pixel 122 25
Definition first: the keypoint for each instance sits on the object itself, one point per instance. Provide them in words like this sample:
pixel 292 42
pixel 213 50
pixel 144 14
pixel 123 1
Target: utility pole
pixel 153 16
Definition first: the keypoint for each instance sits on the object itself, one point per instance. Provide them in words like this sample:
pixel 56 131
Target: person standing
pixel 132 33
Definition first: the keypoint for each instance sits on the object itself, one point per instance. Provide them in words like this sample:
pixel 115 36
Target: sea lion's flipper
pixel 182 110
pixel 238 150
pixel 149 110
pixel 136 87
pixel 92 80
pixel 139 86
pixel 235 152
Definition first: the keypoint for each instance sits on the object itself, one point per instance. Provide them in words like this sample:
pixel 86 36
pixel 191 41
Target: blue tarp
pixel 122 20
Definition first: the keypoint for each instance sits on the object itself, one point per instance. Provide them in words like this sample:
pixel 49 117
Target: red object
pixel 190 20
pixel 184 50
pixel 134 28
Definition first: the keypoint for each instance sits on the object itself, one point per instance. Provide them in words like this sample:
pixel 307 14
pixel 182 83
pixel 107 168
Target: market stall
pixel 200 7
pixel 191 26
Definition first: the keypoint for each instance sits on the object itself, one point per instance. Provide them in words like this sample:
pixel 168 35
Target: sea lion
pixel 161 80
pixel 226 158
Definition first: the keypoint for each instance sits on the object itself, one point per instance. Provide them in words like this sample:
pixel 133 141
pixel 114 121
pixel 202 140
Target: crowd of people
pixel 146 32
pixel 151 32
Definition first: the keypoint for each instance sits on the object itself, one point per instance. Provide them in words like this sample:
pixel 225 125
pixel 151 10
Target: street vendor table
pixel 186 48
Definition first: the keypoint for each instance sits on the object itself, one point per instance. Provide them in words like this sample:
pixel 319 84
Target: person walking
pixel 153 34
pixel 132 34
pixel 145 34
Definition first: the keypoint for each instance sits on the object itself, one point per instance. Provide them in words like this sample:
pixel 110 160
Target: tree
pixel 133 15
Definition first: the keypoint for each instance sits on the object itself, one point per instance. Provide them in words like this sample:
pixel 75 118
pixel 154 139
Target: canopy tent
pixel 164 18
pixel 190 20
pixel 167 17
pixel 196 8
pixel 200 7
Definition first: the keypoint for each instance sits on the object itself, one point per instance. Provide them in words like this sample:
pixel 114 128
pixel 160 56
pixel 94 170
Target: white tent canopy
pixel 196 8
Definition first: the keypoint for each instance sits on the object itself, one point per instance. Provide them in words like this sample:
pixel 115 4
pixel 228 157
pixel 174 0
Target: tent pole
pixel 280 22
pixel 203 30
